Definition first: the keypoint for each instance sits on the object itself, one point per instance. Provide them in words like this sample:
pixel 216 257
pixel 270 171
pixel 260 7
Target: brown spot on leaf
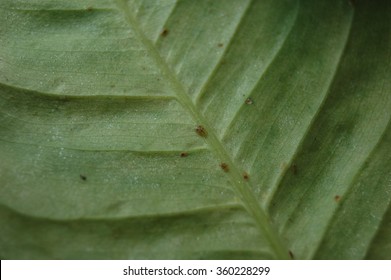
pixel 245 175
pixel 201 131
pixel 220 45
pixel 337 198
pixel 248 101
pixel 164 32
pixel 184 154
pixel 224 166
pixel 83 177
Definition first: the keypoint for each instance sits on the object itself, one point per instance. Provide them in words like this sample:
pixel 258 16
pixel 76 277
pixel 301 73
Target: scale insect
pixel 245 176
pixel 248 101
pixel 164 32
pixel 224 166
pixel 201 131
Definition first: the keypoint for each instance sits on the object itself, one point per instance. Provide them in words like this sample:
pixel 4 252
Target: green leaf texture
pixel 99 153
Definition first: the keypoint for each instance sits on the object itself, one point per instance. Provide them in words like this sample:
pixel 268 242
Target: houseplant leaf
pixel 195 129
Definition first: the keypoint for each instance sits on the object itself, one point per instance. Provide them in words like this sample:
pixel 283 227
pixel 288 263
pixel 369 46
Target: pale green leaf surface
pixel 99 98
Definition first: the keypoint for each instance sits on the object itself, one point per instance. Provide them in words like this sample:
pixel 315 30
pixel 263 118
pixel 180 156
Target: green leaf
pixel 195 129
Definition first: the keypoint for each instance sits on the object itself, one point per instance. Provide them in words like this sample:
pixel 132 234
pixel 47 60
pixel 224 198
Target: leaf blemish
pixel 201 131
pixel 337 198
pixel 184 154
pixel 83 177
pixel 164 32
pixel 224 166
pixel 220 45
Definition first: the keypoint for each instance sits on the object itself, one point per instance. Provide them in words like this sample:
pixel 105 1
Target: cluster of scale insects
pixel 202 132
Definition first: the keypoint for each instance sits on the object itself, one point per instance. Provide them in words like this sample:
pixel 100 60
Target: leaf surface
pixel 99 107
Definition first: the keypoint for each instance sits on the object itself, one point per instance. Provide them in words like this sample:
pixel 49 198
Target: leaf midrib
pixel 241 187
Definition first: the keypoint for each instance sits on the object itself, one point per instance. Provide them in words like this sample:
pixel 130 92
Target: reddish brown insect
pixel 184 154
pixel 224 166
pixel 245 176
pixel 337 198
pixel 248 101
pixel 201 131
pixel 164 32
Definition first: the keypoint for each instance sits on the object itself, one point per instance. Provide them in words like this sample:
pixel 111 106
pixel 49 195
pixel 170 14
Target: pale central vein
pixel 241 187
